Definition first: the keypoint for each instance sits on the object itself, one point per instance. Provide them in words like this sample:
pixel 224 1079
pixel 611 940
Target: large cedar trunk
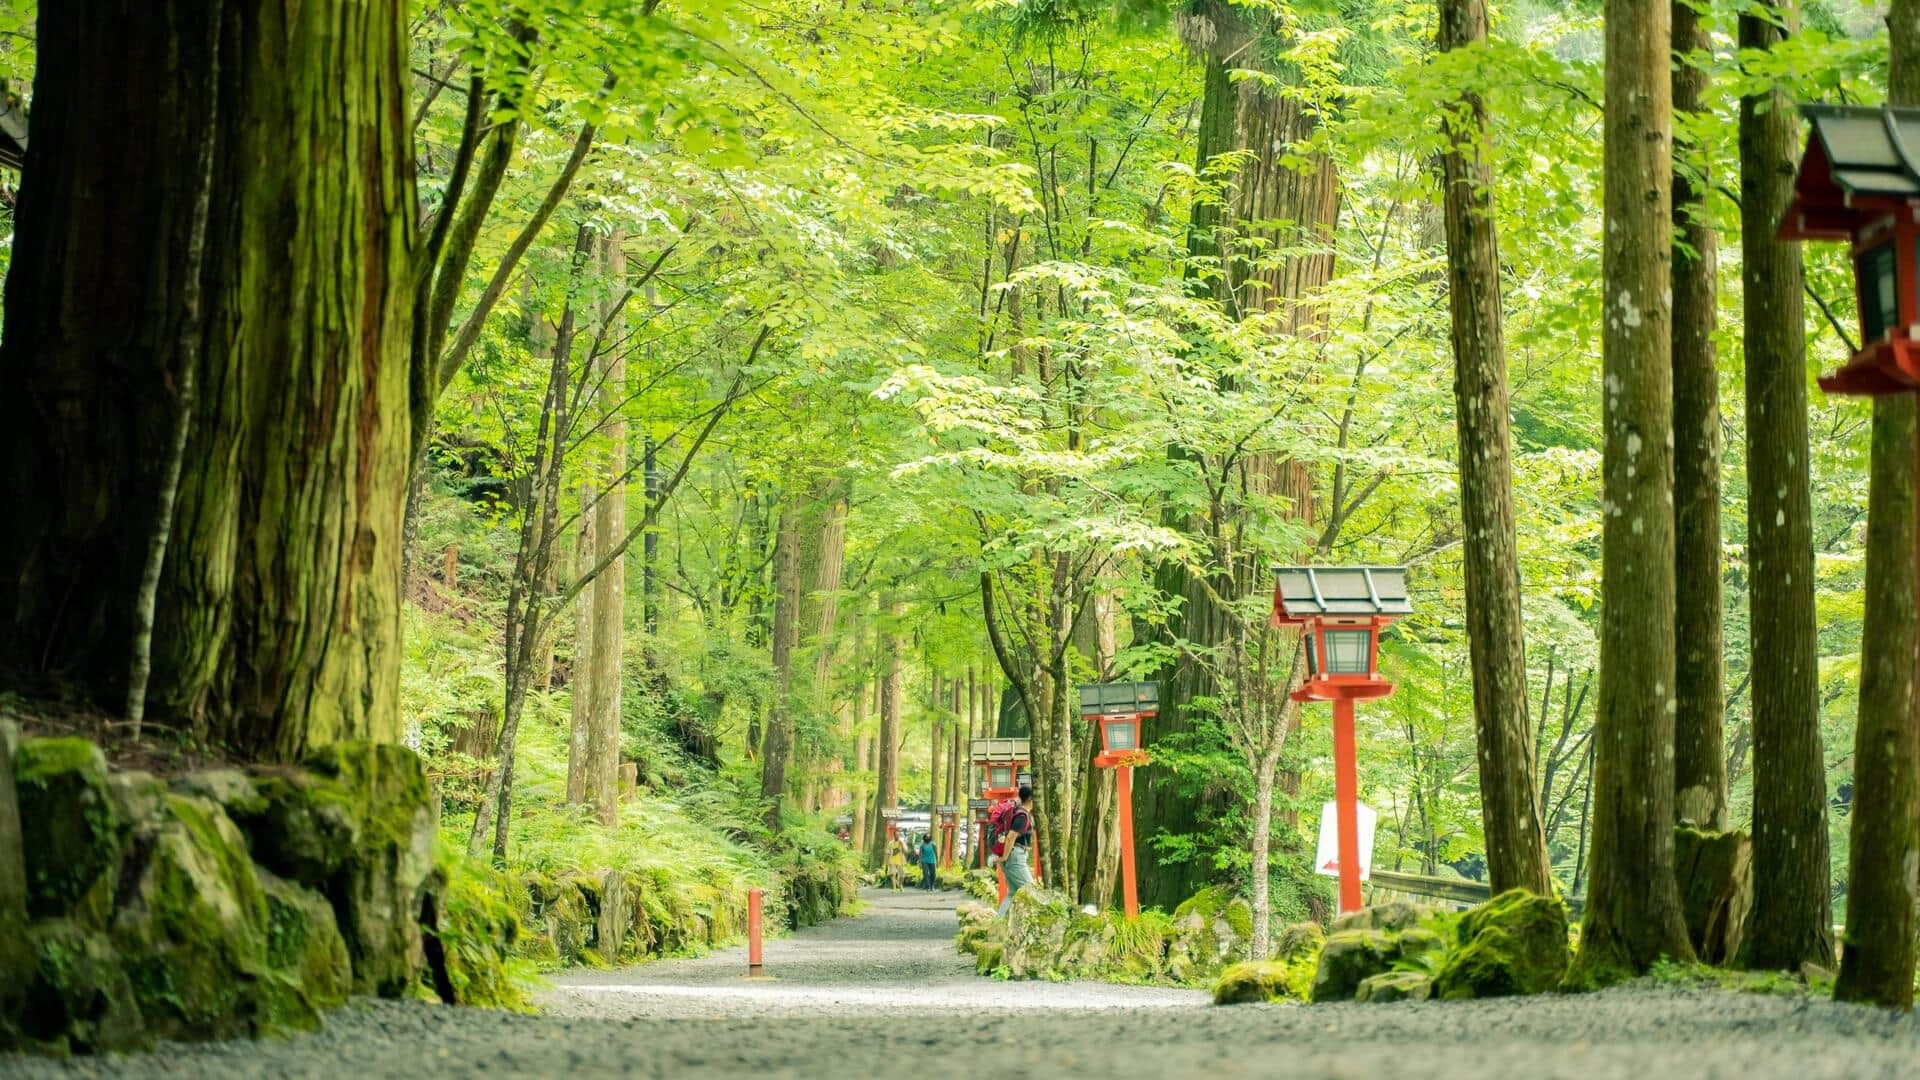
pixel 1509 801
pixel 277 616
pixel 1883 836
pixel 1699 758
pixel 604 671
pixel 1791 920
pixel 1303 197
pixel 1633 914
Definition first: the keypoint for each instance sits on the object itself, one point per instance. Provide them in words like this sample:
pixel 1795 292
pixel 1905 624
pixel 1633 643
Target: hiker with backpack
pixel 1012 844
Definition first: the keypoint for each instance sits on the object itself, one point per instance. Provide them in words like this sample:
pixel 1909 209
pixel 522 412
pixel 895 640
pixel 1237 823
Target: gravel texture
pixel 885 993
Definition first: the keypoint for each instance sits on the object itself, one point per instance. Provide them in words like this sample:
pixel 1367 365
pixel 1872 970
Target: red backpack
pixel 999 822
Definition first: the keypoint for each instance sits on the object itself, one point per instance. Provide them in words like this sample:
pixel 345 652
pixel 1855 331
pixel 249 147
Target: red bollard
pixel 753 932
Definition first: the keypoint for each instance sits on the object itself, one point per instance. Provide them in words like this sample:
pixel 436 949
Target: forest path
pixel 885 994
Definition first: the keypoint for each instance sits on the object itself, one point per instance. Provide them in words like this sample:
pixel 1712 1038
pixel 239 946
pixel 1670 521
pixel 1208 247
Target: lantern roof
pixel 1001 751
pixel 1304 592
pixel 1861 162
pixel 1118 698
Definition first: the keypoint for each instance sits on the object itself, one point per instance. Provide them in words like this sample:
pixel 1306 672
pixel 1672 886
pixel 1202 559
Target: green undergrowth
pixel 1697 976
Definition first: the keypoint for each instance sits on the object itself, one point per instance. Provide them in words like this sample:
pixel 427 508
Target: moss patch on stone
pixel 1262 981
pixel 1515 943
pixel 72 835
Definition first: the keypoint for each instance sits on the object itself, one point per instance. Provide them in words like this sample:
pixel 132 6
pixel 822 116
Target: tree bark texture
pixel 1509 801
pixel 777 749
pixel 886 795
pixel 1883 847
pixel 277 617
pixel 1633 914
pixel 1269 187
pixel 608 592
pixel 1699 758
pixel 1791 921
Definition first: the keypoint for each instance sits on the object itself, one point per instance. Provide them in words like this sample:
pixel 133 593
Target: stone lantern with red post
pixel 1341 611
pixel 948 816
pixel 1003 764
pixel 1120 708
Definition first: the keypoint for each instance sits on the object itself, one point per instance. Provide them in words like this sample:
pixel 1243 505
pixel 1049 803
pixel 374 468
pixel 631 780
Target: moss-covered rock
pixel 72 835
pixel 1263 980
pixel 191 927
pixel 978 925
pixel 79 999
pixel 610 918
pixel 304 943
pixel 232 789
pixel 1392 916
pixel 1211 930
pixel 1515 943
pixel 16 956
pixel 989 959
pixel 1036 932
pixel 1299 940
pixel 1395 986
pixel 982 885
pixel 1348 958
pixel 479 934
pixel 356 823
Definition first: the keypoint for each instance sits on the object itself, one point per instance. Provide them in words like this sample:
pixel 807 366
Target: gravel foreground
pixel 884 993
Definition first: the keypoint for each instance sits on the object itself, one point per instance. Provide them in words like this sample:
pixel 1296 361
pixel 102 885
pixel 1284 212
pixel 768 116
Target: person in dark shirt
pixel 1018 864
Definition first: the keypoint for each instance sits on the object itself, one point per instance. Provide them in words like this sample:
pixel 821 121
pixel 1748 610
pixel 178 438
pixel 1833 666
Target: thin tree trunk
pixel 1699 757
pixel 887 782
pixel 1791 921
pixel 778 747
pixel 609 589
pixel 1883 836
pixel 1633 912
pixel 1509 802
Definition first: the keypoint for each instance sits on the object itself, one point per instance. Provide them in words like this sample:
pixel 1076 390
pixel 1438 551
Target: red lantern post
pixel 1341 611
pixel 1120 708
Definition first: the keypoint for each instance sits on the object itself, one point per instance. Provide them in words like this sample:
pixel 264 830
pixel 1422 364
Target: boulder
pixel 1299 941
pixel 1263 980
pixel 232 789
pixel 1036 932
pixel 978 925
pixel 480 928
pixel 304 942
pixel 72 834
pixel 1348 958
pixel 988 959
pixel 1715 873
pixel 191 925
pixel 1211 930
pixel 355 823
pixel 79 999
pixel 1515 943
pixel 1395 986
pixel 1392 916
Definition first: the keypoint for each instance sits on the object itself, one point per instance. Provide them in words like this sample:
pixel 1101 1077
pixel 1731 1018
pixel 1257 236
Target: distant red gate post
pixel 949 816
pixel 1341 611
pixel 1120 707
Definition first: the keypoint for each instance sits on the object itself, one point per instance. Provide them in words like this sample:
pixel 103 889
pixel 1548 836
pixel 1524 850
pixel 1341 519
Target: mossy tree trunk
pixel 1792 920
pixel 1281 196
pixel 606 598
pixel 1699 758
pixel 886 793
pixel 1509 801
pixel 1633 914
pixel 1883 836
pixel 277 616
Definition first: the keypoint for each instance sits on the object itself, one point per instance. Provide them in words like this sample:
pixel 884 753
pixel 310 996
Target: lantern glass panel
pixel 1002 776
pixel 1879 298
pixel 1121 734
pixel 1348 651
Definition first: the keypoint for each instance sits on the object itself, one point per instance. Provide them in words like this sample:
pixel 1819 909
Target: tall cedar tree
pixel 1877 963
pixel 201 239
pixel 1282 196
pixel 1699 759
pixel 1791 920
pixel 886 792
pixel 1633 907
pixel 777 749
pixel 1509 801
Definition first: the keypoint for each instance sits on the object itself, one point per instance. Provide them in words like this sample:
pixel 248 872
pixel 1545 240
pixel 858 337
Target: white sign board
pixel 1326 859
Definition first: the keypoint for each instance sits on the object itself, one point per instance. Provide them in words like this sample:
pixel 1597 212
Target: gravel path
pixel 885 993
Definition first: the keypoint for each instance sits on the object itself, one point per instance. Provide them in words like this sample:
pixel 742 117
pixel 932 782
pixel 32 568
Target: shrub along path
pixel 885 994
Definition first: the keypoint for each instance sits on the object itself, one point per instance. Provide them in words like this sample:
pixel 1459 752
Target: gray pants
pixel 1018 866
